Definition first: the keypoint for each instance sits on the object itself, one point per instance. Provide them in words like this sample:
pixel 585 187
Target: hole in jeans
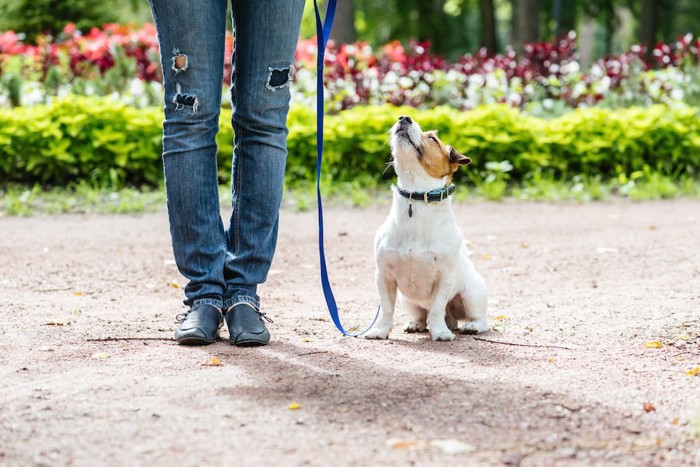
pixel 279 78
pixel 185 100
pixel 179 61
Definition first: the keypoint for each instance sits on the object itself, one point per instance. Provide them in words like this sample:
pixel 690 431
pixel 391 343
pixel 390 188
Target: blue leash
pixel 323 32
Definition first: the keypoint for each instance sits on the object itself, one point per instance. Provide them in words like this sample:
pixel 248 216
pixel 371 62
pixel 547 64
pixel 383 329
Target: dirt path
pixel 598 279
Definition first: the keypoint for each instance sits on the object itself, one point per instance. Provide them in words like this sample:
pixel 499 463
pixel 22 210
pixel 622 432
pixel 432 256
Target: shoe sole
pixel 194 341
pixel 249 343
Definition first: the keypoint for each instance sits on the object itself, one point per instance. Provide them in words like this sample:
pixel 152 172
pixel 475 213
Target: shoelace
pixel 264 316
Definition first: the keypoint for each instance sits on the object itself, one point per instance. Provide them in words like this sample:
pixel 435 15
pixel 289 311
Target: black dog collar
pixel 434 196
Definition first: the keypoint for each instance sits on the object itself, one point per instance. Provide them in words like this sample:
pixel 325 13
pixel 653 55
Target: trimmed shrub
pixel 108 143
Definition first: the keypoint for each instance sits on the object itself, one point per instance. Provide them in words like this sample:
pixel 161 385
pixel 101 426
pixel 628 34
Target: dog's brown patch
pixel 439 160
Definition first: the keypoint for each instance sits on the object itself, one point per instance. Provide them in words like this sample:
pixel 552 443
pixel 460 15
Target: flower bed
pixel 546 79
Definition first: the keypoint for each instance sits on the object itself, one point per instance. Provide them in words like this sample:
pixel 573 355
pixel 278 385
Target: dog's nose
pixel 405 119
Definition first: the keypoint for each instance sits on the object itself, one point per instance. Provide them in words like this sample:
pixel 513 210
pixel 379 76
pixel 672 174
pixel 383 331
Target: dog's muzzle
pixel 403 131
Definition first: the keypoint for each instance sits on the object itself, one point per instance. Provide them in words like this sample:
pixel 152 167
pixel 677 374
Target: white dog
pixel 419 250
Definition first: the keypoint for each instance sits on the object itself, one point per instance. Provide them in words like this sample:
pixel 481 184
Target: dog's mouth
pixel 403 135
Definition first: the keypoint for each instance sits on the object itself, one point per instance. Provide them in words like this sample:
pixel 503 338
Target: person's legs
pixel 191 37
pixel 266 34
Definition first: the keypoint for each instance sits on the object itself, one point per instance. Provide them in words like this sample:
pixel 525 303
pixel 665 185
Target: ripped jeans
pixel 224 265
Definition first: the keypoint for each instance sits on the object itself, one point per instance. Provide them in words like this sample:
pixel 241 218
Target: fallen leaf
pixel 485 256
pixel 213 361
pixel 174 285
pixel 452 446
pixel 693 371
pixel 651 227
pixel 524 245
pixel 101 356
pixel 294 406
pixel 77 293
pixel 306 340
pixel 653 345
pixel 396 443
pixel 553 360
pixel 499 317
pixel 649 407
pixel 676 421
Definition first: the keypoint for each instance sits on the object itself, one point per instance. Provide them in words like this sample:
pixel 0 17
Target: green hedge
pixel 107 142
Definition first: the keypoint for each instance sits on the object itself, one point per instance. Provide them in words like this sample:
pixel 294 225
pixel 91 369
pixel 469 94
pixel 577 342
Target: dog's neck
pixel 421 182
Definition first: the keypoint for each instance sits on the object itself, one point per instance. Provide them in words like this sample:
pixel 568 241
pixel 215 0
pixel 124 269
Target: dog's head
pixel 419 157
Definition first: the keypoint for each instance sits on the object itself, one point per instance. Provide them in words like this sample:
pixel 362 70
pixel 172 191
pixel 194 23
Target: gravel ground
pixel 91 376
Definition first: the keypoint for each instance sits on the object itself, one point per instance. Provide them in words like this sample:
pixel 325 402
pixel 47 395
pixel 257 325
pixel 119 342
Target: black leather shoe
pixel 199 326
pixel 246 327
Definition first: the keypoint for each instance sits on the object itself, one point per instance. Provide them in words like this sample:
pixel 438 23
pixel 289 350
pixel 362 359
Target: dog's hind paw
pixel 475 327
pixel 415 326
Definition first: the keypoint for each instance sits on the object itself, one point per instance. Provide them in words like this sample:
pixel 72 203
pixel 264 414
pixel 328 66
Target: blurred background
pixel 453 27
pixel 552 99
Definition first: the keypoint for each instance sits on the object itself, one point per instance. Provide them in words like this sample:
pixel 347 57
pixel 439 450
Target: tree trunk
pixel 527 23
pixel 344 31
pixel 649 25
pixel 488 26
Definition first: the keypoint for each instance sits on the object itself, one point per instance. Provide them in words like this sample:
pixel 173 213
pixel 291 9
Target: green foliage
pixel 108 144
pixel 33 17
pixel 97 140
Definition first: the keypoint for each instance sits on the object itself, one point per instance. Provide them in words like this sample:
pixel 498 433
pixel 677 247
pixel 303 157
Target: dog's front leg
pixel 436 316
pixel 386 287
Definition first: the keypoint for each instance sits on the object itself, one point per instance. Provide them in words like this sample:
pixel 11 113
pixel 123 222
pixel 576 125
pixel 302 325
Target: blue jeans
pixel 224 265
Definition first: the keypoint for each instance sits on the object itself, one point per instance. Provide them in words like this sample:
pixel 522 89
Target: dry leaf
pixel 101 356
pixel 553 360
pixel 77 293
pixel 174 285
pixel 213 361
pixel 402 444
pixel 293 406
pixel 693 371
pixel 651 227
pixel 485 256
pixel 649 407
pixel 499 317
pixel 653 345
pixel 524 245
pixel 676 421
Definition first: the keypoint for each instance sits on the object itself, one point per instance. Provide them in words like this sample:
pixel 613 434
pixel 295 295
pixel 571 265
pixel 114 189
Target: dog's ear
pixel 457 158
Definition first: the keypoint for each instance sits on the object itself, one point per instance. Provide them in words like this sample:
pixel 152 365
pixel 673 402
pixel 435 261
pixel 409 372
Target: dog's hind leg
pixel 475 300
pixel 386 287
pixel 417 317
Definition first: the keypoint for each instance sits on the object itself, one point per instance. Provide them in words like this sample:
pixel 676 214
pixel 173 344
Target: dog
pixel 421 258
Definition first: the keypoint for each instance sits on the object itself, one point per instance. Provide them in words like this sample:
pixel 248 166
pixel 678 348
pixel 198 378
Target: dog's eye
pixel 432 138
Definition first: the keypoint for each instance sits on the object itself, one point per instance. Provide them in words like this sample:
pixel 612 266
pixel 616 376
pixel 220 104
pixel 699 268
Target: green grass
pixel 89 199
pixel 78 198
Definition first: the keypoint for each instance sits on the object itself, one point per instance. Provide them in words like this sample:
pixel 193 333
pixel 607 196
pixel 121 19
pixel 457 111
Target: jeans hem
pixel 208 301
pixel 228 303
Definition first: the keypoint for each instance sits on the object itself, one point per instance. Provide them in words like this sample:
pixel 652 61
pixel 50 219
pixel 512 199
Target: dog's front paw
pixel 415 326
pixel 475 327
pixel 378 332
pixel 442 335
